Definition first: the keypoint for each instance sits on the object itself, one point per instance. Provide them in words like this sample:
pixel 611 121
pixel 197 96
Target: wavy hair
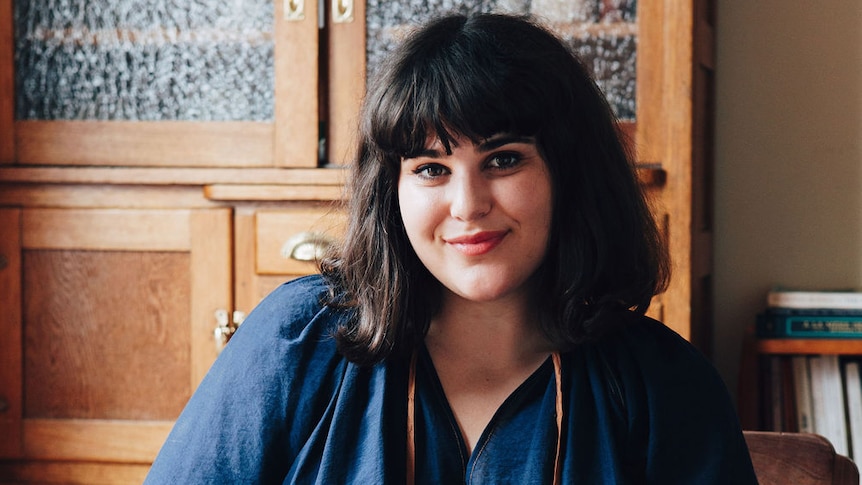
pixel 476 76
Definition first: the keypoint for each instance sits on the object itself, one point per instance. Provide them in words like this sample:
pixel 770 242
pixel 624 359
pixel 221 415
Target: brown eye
pixel 431 170
pixel 503 161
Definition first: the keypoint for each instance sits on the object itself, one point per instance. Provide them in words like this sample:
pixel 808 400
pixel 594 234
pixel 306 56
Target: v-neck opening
pixel 505 408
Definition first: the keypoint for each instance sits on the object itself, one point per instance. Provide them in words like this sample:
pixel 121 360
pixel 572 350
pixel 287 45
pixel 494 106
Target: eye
pixel 430 171
pixel 502 161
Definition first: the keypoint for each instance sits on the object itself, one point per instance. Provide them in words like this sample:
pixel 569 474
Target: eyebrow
pixel 487 145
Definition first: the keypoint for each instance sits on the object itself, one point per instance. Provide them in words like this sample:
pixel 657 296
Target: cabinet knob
pixel 225 328
pixel 306 246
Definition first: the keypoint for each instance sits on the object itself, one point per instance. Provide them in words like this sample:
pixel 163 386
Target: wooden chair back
pixel 799 459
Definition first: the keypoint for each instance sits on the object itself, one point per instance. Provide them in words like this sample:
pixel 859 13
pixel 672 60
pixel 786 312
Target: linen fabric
pixel 281 405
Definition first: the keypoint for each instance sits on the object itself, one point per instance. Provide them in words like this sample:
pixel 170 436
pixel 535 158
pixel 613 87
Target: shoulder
pixel 648 341
pixel 288 311
pixel 655 365
pixel 672 403
pixel 303 296
pixel 292 324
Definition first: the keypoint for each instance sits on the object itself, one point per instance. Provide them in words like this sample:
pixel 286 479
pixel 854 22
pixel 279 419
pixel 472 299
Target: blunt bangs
pixel 464 82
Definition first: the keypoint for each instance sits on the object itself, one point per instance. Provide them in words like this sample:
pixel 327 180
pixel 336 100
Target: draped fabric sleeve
pixel 249 417
pixel 682 426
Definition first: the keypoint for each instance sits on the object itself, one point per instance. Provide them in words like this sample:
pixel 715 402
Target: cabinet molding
pixel 145 143
pixel 116 441
pixel 107 229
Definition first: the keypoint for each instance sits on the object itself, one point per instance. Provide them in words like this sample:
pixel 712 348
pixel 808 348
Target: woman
pixel 483 320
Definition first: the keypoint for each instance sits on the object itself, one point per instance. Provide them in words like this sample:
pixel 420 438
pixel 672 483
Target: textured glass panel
pixel 602 32
pixel 144 60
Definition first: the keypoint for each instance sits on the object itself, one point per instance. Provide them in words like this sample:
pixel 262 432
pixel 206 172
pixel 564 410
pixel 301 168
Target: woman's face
pixel 479 218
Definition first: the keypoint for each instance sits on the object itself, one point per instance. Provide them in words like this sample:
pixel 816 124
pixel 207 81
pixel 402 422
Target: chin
pixel 484 295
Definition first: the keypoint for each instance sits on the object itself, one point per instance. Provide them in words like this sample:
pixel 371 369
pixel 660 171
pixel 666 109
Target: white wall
pixel 788 174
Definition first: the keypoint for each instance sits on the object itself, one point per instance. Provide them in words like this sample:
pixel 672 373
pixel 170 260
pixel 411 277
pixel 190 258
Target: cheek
pixel 538 212
pixel 535 202
pixel 414 210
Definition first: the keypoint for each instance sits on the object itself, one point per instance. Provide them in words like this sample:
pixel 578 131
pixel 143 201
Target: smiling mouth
pixel 477 244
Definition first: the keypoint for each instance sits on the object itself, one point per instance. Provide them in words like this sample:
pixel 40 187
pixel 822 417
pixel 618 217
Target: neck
pixel 487 333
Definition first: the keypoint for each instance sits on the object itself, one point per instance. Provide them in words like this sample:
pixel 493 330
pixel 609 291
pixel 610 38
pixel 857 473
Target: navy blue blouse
pixel 281 405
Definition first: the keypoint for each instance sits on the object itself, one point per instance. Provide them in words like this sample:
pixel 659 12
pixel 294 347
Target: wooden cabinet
pixel 121 237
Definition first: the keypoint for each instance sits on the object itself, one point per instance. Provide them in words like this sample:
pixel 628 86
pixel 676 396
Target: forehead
pixel 433 141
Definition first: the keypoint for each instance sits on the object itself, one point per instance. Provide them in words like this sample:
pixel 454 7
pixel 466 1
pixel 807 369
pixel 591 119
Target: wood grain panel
pixel 211 276
pixel 172 176
pixel 226 192
pixel 66 473
pixel 11 386
pixel 7 84
pixel 275 228
pixel 107 229
pixel 57 196
pixel 106 334
pixel 346 78
pixel 103 441
pixel 245 279
pixel 296 84
pixel 145 143
pixel 650 61
pixel 249 286
pixel 675 154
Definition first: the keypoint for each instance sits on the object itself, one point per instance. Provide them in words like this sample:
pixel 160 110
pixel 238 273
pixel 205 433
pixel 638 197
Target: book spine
pixel 802 391
pixel 847 312
pixel 827 401
pixel 815 299
pixel 771 325
pixel 776 390
pixel 853 391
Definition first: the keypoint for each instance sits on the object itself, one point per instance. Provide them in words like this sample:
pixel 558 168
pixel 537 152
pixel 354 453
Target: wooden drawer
pixel 287 241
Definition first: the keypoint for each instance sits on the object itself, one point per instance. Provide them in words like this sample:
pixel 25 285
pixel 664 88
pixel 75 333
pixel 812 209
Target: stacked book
pixel 819 394
pixel 811 314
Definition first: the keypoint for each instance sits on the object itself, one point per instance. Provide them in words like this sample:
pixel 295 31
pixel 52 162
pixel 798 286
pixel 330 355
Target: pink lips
pixel 477 244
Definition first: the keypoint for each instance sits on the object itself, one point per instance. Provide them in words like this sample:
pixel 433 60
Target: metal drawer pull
pixel 306 246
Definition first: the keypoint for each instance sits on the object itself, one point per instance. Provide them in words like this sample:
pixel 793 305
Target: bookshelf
pixel 808 346
pixel 762 405
pixel 751 392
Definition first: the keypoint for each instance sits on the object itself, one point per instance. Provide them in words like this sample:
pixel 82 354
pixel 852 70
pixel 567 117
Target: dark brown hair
pixel 477 76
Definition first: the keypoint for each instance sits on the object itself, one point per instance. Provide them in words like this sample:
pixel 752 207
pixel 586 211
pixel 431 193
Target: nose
pixel 470 197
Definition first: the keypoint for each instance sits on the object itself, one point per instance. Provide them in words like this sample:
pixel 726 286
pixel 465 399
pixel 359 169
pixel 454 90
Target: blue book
pixel 814 325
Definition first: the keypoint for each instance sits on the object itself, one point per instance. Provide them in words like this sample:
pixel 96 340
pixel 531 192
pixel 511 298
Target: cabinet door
pixel 116 324
pixel 190 84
